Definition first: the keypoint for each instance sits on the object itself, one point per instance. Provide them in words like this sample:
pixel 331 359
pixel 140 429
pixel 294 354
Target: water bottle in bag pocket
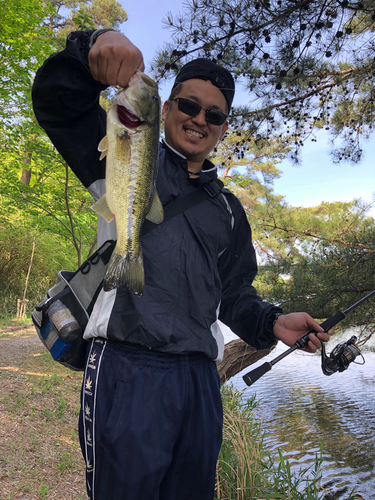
pixel 61 318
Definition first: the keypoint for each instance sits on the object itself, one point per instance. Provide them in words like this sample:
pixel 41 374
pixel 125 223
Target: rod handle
pixel 326 325
pixel 255 374
pixel 332 321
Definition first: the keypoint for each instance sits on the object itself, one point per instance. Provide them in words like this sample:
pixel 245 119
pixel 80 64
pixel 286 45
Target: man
pixel 151 419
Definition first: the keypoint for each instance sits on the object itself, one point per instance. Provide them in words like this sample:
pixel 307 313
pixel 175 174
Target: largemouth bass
pixel 131 147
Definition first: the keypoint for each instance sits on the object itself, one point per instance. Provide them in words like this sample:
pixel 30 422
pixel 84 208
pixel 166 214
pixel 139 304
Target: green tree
pixel 30 31
pixel 324 261
pixel 307 64
pixel 35 181
pixel 24 44
pixel 53 199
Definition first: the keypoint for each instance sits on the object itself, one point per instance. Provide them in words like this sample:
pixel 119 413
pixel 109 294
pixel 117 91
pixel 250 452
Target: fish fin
pixel 101 207
pixel 125 270
pixel 156 213
pixel 103 147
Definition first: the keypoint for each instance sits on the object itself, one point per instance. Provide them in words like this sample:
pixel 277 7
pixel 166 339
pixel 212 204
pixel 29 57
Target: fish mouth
pixel 127 118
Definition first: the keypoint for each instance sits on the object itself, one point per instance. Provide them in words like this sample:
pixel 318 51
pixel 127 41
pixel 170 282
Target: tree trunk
pixel 77 241
pixel 21 304
pixel 26 170
pixel 237 356
pixel 29 270
pixel 26 176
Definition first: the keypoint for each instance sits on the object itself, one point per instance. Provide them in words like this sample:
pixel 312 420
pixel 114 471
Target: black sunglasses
pixel 192 108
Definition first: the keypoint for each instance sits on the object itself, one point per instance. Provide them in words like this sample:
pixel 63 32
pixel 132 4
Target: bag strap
pixel 71 284
pixel 204 192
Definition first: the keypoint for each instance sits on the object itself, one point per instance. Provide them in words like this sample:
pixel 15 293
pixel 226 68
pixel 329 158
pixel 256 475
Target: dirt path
pixel 40 457
pixel 18 345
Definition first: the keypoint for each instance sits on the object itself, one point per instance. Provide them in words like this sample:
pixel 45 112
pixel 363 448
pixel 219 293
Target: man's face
pixel 192 136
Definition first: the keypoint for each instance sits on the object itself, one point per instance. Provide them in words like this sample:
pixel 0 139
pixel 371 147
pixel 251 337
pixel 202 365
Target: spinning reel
pixel 341 356
pixel 338 360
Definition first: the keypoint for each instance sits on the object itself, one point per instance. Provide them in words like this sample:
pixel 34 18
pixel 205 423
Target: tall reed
pixel 243 459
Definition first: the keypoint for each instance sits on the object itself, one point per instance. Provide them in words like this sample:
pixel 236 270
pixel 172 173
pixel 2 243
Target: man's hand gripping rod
pixel 329 323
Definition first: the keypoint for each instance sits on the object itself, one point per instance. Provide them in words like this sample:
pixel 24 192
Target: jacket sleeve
pixel 66 104
pixel 241 309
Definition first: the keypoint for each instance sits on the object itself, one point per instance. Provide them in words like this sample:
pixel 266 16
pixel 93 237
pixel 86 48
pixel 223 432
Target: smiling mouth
pixel 194 134
pixel 127 118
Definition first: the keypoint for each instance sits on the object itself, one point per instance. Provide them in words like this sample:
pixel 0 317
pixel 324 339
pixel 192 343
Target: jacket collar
pixel 209 170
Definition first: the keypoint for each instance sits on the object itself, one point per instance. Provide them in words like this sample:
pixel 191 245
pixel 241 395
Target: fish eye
pixel 155 98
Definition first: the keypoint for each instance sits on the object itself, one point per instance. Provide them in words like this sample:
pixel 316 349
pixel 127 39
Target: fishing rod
pixel 339 359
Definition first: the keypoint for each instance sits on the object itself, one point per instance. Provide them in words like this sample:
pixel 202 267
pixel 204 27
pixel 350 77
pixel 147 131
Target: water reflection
pixel 300 407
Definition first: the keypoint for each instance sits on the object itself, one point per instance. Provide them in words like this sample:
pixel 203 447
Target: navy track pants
pixel 150 424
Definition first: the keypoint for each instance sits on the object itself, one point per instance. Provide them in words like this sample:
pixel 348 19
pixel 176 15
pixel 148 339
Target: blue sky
pixel 317 179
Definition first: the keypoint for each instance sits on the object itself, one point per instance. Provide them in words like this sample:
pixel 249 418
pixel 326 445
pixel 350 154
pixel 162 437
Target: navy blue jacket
pixel 199 265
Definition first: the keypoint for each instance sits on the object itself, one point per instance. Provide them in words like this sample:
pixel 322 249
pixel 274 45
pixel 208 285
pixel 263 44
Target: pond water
pixel 300 406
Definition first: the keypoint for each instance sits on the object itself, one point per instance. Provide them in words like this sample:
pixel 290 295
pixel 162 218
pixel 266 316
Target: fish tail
pixel 125 270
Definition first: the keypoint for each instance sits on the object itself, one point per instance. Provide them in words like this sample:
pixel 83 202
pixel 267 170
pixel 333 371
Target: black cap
pixel 205 69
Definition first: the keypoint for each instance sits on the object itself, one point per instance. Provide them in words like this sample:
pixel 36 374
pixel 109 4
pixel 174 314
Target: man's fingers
pixel 103 73
pixel 314 325
pixel 141 66
pixel 125 73
pixel 112 73
pixel 94 69
pixel 323 336
pixel 312 347
pixel 314 341
pixel 117 70
pixel 113 59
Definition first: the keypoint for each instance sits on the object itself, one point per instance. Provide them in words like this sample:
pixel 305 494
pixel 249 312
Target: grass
pixel 6 321
pixel 242 457
pixel 40 456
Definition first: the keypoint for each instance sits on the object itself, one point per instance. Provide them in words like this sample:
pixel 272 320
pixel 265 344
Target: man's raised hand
pixel 113 59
